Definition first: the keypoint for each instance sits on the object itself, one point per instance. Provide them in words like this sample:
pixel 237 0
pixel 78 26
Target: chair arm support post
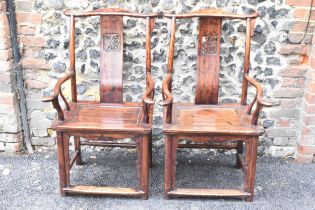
pixel 167 96
pixel 57 106
pixel 56 92
pixel 260 102
pixel 148 97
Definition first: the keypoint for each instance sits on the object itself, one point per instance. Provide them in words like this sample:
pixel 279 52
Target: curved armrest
pixel 57 87
pixel 54 97
pixel 259 98
pixel 259 91
pixel 167 95
pixel 148 95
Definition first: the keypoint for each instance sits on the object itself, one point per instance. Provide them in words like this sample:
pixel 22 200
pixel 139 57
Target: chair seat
pixel 222 119
pixel 93 116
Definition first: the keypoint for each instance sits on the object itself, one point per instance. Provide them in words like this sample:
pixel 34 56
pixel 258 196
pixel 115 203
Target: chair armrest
pixel 57 91
pixel 57 88
pixel 166 92
pixel 259 98
pixel 149 93
pixel 259 91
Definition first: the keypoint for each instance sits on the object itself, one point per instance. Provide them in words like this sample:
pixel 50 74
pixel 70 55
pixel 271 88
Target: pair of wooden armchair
pixel 205 122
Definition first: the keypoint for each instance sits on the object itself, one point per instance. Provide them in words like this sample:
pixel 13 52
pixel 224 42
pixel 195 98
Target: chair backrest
pixel 208 55
pixel 111 50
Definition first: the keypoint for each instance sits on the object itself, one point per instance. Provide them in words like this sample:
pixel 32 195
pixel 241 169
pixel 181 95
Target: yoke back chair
pixel 206 122
pixel 104 122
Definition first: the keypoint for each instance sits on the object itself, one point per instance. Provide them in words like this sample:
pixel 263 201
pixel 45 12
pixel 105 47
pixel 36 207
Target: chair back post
pixel 170 67
pixel 72 58
pixel 146 108
pixel 246 61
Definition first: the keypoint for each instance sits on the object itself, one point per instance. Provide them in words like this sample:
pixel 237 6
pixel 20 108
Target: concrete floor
pixel 31 182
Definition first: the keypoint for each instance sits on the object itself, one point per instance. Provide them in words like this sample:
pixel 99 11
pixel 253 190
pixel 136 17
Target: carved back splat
pixel 111 59
pixel 209 39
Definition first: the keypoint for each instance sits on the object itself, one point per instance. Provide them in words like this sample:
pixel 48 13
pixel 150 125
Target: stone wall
pixel 10 132
pixel 279 59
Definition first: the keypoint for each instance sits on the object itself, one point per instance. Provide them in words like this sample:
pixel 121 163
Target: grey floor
pixel 31 182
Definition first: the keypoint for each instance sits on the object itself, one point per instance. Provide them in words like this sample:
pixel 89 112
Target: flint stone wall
pixel 278 59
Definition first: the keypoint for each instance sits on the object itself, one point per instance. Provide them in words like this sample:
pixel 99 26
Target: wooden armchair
pixel 104 122
pixel 207 123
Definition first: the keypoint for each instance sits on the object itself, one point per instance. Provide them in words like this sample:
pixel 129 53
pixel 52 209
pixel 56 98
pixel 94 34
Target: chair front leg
pixel 143 164
pixel 61 163
pixel 150 150
pixel 66 139
pixel 251 156
pixel 170 165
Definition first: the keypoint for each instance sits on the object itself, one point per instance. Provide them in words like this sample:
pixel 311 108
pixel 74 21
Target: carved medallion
pixel 111 42
pixel 209 44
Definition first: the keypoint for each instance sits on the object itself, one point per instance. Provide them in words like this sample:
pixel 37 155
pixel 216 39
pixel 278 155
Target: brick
pixel 34 63
pixel 5 77
pixel 36 84
pixel 306 149
pixel 288 82
pixel 26 17
pixel 283 122
pixel 296 38
pixel 309 108
pixel 293 72
pixel 288 93
pixel 308 119
pixel 3 6
pixel 300 82
pixel 288 103
pixel 299 26
pixel 281 132
pixel 32 41
pixel 5 41
pixel 309 97
pixel 310 86
pixel 307 135
pixel 285 112
pixel 6 109
pixel 6 54
pixel 304 14
pixel 293 49
pixel 4 20
pixel 23 6
pixel 13 147
pixel 8 99
pixel 312 62
pixel 300 3
pixel 8 137
pixel 304 158
pixel 6 66
pixel 26 30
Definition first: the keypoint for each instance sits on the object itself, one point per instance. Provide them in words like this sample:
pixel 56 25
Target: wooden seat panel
pixel 211 119
pixel 104 117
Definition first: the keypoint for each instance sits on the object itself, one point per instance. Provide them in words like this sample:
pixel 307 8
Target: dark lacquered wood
pixel 103 123
pixel 109 12
pixel 111 59
pixel 225 119
pixel 207 123
pixel 208 61
pixel 220 13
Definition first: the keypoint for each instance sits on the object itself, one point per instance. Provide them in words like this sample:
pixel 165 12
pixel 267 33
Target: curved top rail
pixel 108 12
pixel 212 13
